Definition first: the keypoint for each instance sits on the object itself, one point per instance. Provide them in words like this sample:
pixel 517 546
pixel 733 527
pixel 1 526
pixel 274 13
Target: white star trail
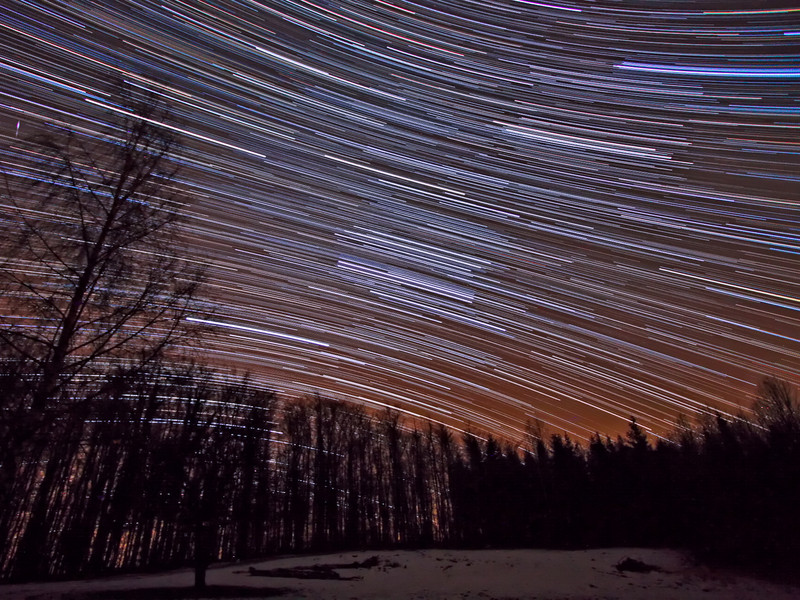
pixel 479 212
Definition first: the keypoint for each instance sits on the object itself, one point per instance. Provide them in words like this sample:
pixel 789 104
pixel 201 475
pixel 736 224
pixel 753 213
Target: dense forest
pixel 119 452
pixel 177 466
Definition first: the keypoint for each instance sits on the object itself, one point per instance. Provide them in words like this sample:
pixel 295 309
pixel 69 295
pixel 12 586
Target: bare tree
pixel 777 406
pixel 91 281
pixel 91 274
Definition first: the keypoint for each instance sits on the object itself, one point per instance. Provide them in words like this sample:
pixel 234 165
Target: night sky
pixel 482 212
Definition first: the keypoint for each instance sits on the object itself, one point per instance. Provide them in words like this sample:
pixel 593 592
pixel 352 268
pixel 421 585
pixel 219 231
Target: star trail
pixel 483 213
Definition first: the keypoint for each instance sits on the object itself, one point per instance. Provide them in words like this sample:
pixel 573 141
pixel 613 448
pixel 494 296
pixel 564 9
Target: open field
pixel 436 574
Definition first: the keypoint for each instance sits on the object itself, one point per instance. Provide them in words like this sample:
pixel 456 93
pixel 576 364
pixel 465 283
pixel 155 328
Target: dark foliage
pixel 727 489
pixel 184 467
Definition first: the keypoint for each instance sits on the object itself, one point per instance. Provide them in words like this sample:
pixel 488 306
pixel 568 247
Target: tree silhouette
pixel 91 272
pixel 177 465
pixel 92 285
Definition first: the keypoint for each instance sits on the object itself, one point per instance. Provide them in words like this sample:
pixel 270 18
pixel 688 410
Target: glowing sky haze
pixel 483 212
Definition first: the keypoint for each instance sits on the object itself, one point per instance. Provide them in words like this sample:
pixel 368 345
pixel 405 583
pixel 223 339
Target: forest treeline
pixel 176 465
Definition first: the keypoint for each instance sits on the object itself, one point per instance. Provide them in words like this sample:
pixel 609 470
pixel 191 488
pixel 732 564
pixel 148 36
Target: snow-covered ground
pixel 456 574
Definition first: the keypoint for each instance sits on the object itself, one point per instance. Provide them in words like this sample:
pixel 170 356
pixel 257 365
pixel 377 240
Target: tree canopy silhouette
pixel 91 273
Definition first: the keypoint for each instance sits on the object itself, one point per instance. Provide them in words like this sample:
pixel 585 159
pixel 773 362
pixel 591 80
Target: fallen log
pixel 312 572
pixel 326 571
